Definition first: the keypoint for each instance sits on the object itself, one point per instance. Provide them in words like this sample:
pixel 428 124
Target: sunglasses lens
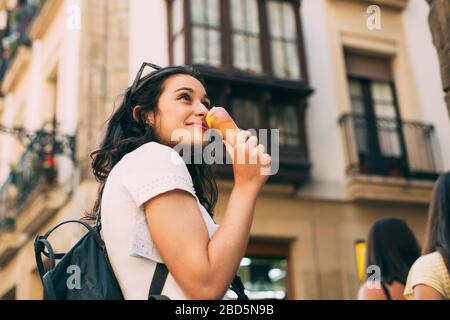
pixel 145 70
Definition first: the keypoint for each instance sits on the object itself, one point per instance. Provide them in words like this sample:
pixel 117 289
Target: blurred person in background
pixel 392 248
pixel 429 277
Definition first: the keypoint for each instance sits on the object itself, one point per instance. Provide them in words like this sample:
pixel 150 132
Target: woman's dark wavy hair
pixel 125 134
pixel 437 236
pixel 393 247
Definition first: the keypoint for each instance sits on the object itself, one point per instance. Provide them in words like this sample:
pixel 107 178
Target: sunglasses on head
pixel 135 85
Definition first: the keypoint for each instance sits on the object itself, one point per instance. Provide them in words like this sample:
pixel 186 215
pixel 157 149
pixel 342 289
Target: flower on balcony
pixel 49 167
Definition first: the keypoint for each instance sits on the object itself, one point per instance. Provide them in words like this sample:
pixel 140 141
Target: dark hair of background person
pixel 392 247
pixel 437 237
pixel 124 134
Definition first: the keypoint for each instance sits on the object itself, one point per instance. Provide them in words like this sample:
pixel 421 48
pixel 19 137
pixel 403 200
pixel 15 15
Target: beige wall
pixel 324 232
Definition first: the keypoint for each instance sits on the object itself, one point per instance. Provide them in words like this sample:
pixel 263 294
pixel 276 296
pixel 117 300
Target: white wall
pixel 148 34
pixel 426 70
pixel 324 136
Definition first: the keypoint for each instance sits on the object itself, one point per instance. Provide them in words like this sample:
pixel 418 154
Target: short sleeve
pixel 425 271
pixel 154 169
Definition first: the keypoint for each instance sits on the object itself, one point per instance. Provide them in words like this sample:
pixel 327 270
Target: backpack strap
pixel 41 243
pixel 386 291
pixel 158 281
pixel 238 287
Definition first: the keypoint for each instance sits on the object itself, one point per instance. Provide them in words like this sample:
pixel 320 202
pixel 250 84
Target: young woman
pixel 155 207
pixel 429 278
pixel 391 247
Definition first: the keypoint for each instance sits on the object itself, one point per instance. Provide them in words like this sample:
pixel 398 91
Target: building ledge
pixel 378 188
pixel 16 70
pixel 393 4
pixel 44 18
pixel 10 243
pixel 40 209
pixel 269 189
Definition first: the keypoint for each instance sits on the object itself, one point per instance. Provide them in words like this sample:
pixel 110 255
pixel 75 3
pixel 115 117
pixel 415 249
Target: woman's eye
pixel 185 97
pixel 207 104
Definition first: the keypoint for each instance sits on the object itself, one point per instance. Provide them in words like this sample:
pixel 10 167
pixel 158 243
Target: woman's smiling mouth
pixel 200 124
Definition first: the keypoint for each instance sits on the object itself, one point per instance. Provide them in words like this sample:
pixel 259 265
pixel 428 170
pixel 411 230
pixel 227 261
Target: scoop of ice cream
pixel 218 118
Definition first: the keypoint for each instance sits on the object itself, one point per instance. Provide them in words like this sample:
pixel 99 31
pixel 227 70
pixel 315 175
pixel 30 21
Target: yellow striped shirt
pixel 429 270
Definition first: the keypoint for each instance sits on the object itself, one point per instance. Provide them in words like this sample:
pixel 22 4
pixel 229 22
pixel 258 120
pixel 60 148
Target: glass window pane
pixel 198 11
pixel 290 116
pixel 275 21
pixel 357 106
pixel 292 66
pixel 252 16
pixel 237 15
pixel 278 58
pixel 263 277
pixel 215 48
pixel 199 49
pixel 388 138
pixel 361 134
pixel 213 13
pixel 290 29
pixel 239 51
pixel 385 111
pixel 383 100
pixel 177 16
pixel 355 88
pixel 381 91
pixel 276 121
pixel 178 50
pixel 246 113
pixel 255 54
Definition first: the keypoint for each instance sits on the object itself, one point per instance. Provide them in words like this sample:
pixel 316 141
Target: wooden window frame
pixel 267 247
pixel 227 44
pixel 375 155
pixel 294 166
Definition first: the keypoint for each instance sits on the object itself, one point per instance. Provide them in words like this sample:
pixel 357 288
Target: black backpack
pixel 87 263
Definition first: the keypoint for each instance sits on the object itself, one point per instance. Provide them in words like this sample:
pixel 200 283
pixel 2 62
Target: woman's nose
pixel 201 109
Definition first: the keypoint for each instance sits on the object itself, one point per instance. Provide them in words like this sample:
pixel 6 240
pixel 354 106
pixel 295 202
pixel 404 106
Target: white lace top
pixel 149 170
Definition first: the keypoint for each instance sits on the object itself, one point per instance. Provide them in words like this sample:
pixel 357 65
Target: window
pixel 375 115
pixel 247 113
pixel 246 35
pixel 206 36
pixel 264 271
pixel 283 39
pixel 251 55
pixel 259 37
pixel 284 117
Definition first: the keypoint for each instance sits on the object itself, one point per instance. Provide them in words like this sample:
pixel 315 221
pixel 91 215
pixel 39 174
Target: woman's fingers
pixel 252 142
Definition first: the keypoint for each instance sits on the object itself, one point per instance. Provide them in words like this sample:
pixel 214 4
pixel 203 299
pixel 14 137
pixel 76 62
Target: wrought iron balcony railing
pixel 390 147
pixel 35 168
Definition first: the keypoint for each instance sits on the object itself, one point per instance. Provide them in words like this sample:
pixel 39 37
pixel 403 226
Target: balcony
pixel 15 20
pixel 390 159
pixel 33 172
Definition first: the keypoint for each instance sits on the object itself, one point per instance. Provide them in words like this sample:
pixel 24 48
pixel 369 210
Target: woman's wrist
pixel 247 189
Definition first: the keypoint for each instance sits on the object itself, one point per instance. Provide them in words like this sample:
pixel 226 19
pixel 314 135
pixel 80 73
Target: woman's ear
pixel 136 113
pixel 148 118
pixel 145 116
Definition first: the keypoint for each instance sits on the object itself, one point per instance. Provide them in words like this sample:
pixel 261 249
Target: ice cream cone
pixel 218 118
